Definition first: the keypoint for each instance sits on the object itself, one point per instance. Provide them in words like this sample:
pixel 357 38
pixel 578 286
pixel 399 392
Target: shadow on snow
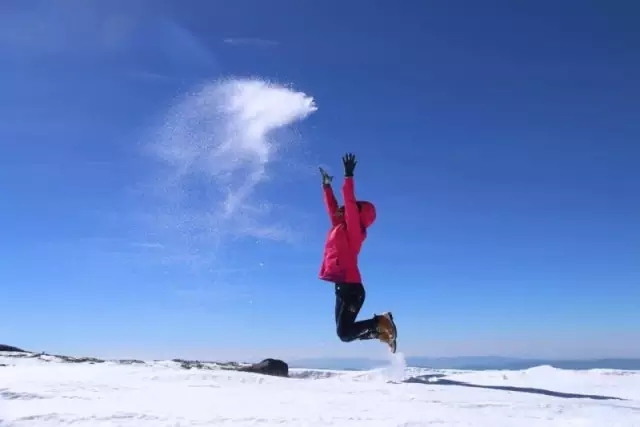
pixel 439 380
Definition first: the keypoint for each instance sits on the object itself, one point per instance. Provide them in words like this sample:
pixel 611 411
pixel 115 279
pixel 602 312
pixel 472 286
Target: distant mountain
pixel 480 362
pixel 624 364
pixel 337 363
pixel 4 347
pixel 469 362
pixel 461 362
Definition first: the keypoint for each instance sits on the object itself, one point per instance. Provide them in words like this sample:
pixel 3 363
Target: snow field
pixel 39 393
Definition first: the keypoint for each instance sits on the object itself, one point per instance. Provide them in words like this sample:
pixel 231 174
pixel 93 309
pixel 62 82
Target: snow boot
pixel 387 331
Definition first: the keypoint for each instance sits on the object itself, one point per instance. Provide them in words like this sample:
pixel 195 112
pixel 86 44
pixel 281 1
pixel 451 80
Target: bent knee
pixel 343 335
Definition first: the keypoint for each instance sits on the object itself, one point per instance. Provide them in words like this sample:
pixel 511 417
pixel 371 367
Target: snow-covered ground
pixel 50 392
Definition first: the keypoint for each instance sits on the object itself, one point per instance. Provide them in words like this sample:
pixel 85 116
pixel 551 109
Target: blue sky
pixel 499 143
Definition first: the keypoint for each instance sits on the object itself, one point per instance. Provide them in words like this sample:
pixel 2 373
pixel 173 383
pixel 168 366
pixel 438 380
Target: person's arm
pixel 330 202
pixel 352 214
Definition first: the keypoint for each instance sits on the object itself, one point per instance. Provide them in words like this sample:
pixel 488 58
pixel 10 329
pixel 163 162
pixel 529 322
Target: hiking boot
pixel 387 331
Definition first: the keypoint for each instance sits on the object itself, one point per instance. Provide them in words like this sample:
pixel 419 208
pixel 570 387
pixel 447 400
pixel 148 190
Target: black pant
pixel 349 300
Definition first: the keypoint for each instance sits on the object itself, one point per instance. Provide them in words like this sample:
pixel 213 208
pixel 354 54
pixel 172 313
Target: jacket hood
pixel 367 213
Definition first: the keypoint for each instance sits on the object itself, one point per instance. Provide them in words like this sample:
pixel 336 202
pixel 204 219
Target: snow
pixel 48 391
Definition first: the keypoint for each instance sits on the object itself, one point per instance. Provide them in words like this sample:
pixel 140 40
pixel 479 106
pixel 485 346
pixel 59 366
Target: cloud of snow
pixel 217 146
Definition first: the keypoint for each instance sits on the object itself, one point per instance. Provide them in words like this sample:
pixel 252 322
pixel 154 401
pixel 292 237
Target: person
pixel 349 225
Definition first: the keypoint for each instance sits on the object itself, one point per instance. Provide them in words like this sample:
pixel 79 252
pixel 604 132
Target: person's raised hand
pixel 349 161
pixel 326 178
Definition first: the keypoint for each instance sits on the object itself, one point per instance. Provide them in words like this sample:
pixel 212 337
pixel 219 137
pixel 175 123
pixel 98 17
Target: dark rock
pixel 130 362
pixel 196 364
pixel 229 366
pixel 275 367
pixel 89 360
pixel 188 364
pixel 4 347
pixel 10 395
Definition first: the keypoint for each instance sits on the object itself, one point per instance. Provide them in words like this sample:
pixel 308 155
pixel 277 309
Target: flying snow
pixel 217 145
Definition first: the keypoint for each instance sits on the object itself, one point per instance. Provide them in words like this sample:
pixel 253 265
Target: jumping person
pixel 349 224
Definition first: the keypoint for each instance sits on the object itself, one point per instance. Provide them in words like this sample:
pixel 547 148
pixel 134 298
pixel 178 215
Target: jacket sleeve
pixel 330 202
pixel 352 214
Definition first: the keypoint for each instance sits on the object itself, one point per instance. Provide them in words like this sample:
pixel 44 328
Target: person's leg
pixel 349 300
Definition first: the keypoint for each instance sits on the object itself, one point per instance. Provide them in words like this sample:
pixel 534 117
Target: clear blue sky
pixel 499 142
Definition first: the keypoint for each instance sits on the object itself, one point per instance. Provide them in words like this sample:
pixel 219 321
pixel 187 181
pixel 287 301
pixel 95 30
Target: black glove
pixel 349 161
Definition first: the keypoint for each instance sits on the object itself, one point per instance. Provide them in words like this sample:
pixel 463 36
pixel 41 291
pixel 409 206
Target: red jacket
pixel 348 231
